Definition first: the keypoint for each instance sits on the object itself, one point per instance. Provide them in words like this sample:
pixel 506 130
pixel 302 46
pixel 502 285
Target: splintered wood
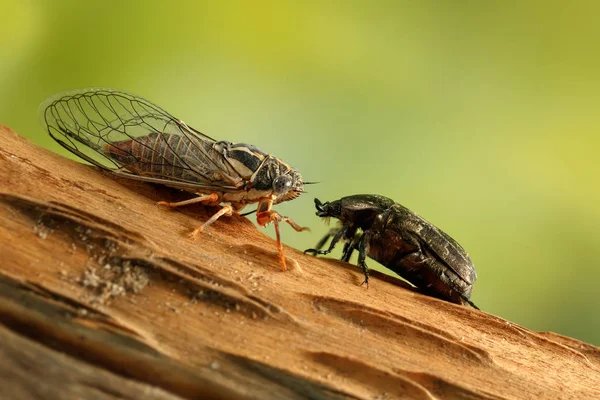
pixel 102 295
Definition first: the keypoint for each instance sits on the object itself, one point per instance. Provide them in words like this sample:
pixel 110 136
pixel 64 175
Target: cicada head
pixel 288 186
pixel 278 180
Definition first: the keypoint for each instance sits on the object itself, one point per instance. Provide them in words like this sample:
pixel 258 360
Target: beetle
pixel 402 241
pixel 133 138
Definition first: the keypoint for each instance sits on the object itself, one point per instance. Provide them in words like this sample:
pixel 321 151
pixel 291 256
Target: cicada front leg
pixel 265 216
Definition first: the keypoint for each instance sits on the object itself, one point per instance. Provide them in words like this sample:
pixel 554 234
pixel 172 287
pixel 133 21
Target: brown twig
pixel 102 295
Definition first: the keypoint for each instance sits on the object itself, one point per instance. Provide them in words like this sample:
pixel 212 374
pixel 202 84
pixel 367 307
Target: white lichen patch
pixel 111 281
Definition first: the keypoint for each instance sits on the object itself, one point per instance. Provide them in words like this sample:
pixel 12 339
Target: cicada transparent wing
pixel 132 137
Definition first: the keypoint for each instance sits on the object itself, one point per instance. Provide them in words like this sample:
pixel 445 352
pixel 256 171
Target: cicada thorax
pixel 174 157
pixel 266 175
pixel 245 159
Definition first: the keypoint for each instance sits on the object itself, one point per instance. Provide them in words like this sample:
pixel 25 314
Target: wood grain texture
pixel 102 296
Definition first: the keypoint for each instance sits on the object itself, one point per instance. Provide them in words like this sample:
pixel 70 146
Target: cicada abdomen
pixel 175 157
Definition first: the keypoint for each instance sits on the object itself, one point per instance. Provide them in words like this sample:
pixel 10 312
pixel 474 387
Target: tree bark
pixel 103 296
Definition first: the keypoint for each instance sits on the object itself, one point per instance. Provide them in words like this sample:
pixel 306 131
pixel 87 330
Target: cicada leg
pixel 266 217
pixel 226 210
pixel 203 198
pixel 206 199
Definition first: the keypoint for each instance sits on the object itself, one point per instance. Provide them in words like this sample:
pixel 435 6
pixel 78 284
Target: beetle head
pixel 359 210
pixel 328 209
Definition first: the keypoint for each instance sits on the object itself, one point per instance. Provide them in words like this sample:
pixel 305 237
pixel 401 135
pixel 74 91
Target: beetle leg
pixel 324 239
pixel 203 198
pixel 227 210
pixel 350 245
pixel 349 248
pixel 362 255
pixel 336 238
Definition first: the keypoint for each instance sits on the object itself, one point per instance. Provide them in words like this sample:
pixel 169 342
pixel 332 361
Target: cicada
pixel 133 138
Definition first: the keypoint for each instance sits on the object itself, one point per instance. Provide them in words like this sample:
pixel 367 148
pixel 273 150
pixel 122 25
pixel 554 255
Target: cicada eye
pixel 282 184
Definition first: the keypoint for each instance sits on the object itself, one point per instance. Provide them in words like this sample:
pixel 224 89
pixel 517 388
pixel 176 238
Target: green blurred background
pixel 480 116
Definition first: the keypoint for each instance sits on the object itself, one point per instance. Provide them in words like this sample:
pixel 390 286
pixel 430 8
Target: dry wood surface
pixel 103 296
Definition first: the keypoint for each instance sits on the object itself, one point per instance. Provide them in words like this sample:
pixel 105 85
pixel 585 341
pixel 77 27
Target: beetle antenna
pixel 311 183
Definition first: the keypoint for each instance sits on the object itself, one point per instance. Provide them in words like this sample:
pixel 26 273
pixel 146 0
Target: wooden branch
pixel 102 296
